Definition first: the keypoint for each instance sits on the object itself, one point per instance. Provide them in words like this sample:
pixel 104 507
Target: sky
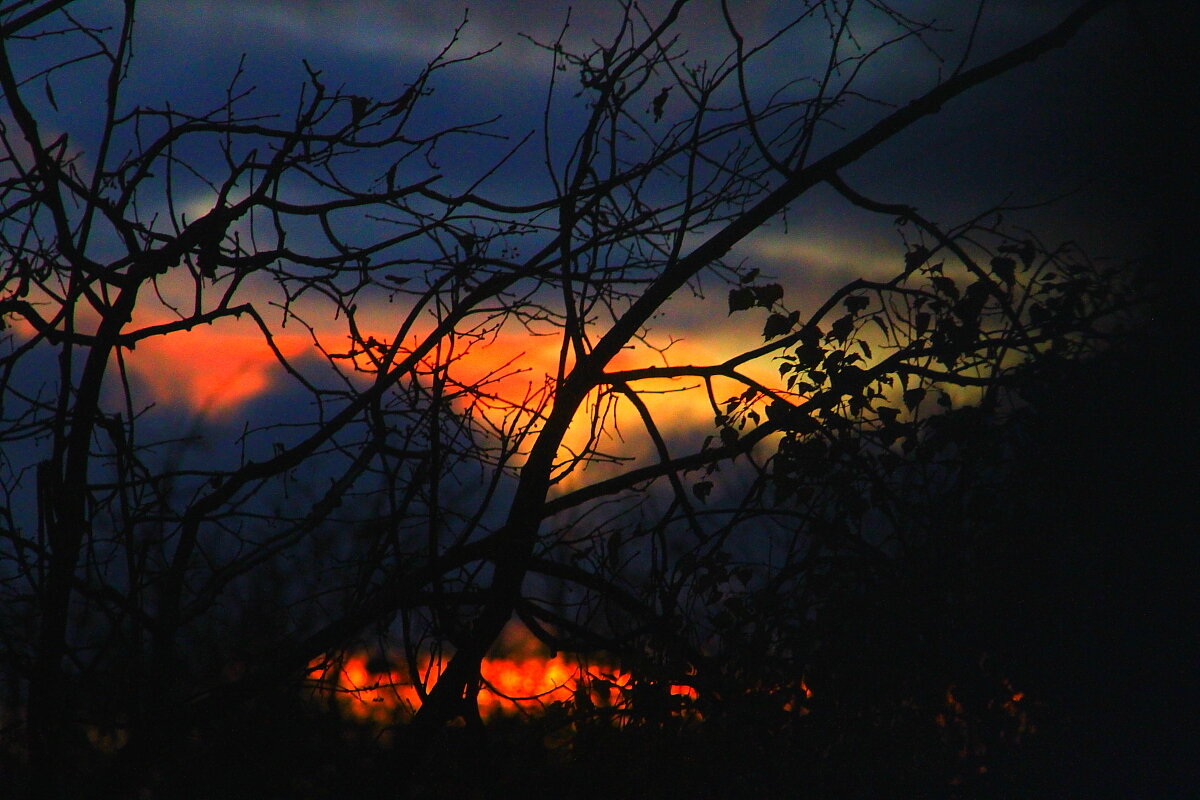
pixel 1074 120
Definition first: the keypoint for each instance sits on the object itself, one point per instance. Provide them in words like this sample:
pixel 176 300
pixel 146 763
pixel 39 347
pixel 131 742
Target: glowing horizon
pixel 520 678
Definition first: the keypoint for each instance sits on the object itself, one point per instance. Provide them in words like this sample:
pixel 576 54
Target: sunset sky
pixel 1068 122
pixel 312 452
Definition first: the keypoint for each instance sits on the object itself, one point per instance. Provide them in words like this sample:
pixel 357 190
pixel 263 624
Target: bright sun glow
pixel 525 681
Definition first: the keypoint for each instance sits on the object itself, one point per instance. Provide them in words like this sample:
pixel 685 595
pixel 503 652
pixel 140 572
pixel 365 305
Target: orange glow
pixel 523 681
pixel 215 368
pixel 510 686
pixel 795 703
pixel 212 369
pixel 504 377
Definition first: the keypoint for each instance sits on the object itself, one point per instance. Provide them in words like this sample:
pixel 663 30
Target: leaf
pixel 777 325
pixel 767 295
pixel 659 101
pixel 945 286
pixel 1005 268
pixel 1027 250
pixel 915 257
pixel 50 96
pixel 808 356
pixel 741 299
pixel 841 329
pixel 749 277
pixel 866 348
pixel 855 303
pixel 729 436
pixel 851 379
pixel 922 322
pixel 401 103
pixel 702 490
pixel 796 421
pixel 913 397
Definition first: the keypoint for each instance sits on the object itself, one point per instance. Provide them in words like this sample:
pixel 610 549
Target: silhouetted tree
pixel 154 588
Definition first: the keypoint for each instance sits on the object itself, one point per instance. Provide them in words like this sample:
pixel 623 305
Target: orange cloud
pixel 504 376
pixel 212 369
